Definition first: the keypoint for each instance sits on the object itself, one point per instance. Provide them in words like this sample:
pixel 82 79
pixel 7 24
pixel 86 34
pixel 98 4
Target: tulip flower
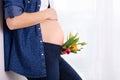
pixel 72 44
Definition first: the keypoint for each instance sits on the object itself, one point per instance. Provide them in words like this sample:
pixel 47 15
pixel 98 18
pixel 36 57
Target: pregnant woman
pixel 33 40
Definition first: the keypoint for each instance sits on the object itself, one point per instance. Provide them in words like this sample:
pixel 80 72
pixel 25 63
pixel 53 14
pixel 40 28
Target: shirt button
pixel 38 28
pixel 42 54
pixel 41 41
pixel 28 1
pixel 38 5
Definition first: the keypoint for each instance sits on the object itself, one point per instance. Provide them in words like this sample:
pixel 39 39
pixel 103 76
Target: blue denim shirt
pixel 23 48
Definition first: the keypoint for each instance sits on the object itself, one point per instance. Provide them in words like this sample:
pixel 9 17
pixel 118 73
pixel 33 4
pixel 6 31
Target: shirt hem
pixel 26 75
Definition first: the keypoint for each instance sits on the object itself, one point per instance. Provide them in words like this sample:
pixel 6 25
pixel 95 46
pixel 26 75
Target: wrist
pixel 42 16
pixel 45 14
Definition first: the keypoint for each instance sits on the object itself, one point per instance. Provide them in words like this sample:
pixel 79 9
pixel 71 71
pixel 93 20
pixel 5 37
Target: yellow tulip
pixel 74 48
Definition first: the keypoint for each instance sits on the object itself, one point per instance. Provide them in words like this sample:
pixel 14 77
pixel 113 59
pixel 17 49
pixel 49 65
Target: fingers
pixel 51 14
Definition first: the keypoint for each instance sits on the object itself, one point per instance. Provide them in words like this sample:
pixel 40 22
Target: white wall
pixel 98 23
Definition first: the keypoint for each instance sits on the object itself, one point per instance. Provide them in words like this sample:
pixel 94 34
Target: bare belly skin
pixel 52 32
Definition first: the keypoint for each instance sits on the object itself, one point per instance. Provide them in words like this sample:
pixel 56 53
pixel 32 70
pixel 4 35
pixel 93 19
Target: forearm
pixel 26 20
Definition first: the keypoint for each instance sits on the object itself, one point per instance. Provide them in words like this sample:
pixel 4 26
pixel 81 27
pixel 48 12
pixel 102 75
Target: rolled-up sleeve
pixel 13 11
pixel 13 8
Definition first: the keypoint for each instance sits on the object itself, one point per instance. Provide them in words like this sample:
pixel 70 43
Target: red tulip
pixel 67 51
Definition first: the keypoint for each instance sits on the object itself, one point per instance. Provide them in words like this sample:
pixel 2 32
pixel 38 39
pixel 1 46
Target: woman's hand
pixel 50 13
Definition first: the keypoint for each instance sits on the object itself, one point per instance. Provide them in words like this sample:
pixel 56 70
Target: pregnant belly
pixel 52 32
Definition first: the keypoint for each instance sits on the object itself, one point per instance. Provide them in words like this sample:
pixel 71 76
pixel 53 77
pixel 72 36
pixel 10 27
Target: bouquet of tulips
pixel 73 44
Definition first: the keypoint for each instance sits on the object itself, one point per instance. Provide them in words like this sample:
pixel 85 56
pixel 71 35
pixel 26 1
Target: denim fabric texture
pixel 23 48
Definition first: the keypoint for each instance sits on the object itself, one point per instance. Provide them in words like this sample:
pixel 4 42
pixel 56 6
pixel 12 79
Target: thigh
pixel 67 72
pixel 52 65
pixel 52 53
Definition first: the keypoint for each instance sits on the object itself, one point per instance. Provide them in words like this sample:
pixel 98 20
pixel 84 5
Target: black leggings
pixel 57 67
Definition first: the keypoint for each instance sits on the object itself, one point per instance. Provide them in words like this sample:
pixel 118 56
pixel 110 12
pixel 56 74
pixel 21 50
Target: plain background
pixel 98 23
